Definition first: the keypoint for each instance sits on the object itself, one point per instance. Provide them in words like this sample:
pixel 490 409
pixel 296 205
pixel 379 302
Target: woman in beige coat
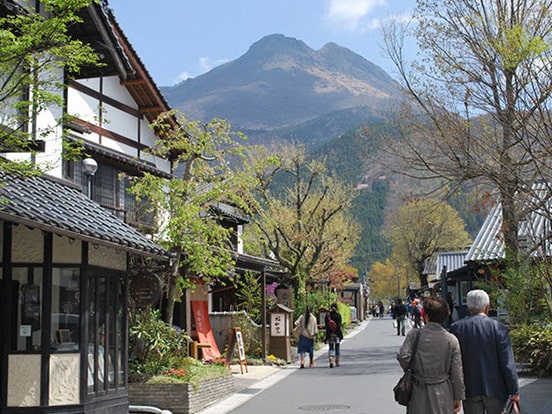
pixel 307 329
pixel 439 381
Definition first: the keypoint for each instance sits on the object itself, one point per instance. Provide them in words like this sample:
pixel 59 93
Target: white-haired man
pixel 488 362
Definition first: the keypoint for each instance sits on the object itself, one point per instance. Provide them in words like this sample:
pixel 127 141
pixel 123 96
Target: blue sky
pixel 177 39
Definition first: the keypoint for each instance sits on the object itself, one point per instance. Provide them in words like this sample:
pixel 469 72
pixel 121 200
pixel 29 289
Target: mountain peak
pixel 280 81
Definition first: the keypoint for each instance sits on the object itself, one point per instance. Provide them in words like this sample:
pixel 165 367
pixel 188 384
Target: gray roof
pixel 57 206
pixel 452 260
pixel 533 233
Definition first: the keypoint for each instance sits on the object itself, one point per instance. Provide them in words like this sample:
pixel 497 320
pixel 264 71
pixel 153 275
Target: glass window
pixel 26 291
pixel 106 333
pixel 65 324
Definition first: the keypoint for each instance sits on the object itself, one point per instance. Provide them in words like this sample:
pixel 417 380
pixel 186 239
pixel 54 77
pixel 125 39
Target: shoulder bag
pixel 403 389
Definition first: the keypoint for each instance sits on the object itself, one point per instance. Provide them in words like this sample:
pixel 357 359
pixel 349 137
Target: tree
pixel 35 50
pixel 421 227
pixel 387 280
pixel 201 157
pixel 482 94
pixel 301 215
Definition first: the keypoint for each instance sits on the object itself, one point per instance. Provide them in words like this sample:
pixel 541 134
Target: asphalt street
pixel 361 385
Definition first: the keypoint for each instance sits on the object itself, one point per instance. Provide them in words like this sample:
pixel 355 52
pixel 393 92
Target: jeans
pixel 483 405
pixel 333 345
pixel 401 325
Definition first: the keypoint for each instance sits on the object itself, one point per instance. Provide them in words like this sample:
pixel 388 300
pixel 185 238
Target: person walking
pixel 334 335
pixel 400 315
pixel 417 314
pixel 307 328
pixel 488 358
pixel 437 368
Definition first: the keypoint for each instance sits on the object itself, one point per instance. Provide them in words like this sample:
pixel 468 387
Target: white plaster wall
pixel 66 250
pixel 104 256
pixel 147 137
pixel 120 122
pixel 83 106
pixel 64 379
pixel 112 87
pixel 27 245
pixel 119 147
pixel 92 83
pixel 23 380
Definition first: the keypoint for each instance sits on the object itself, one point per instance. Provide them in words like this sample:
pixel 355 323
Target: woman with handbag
pixel 307 329
pixel 438 385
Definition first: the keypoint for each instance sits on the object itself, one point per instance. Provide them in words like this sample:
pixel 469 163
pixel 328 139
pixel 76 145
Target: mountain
pixel 280 83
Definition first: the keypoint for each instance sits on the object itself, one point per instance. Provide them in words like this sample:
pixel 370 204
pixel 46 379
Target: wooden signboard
pixel 236 338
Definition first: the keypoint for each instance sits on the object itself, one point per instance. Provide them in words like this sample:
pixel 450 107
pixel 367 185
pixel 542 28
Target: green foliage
pixel 421 227
pixel 190 370
pixel 35 49
pixel 202 156
pixel 531 343
pixel 154 346
pixel 249 295
pixel 251 340
pixel 302 213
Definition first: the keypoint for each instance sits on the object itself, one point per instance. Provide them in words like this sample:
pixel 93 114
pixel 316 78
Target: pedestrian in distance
pixel 488 358
pixel 334 335
pixel 400 314
pixel 417 311
pixel 437 369
pixel 307 328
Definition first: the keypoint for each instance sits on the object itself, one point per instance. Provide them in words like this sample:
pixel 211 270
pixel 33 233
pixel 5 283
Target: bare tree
pixel 482 90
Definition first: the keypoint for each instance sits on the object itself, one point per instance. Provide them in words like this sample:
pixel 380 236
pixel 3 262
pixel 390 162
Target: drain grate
pixel 324 407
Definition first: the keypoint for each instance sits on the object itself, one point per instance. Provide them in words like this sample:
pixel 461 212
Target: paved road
pixel 362 384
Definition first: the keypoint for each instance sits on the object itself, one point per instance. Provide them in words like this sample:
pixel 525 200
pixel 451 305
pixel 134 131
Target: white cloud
pixel 349 13
pixel 205 64
pixel 182 76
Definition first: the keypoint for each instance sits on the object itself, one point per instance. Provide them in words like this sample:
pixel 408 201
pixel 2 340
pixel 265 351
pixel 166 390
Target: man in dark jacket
pixel 400 316
pixel 490 372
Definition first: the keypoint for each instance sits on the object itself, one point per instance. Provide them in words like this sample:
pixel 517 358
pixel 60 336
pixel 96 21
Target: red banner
pixel 204 331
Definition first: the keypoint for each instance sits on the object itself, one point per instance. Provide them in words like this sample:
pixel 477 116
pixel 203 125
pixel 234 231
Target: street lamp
pixel 89 168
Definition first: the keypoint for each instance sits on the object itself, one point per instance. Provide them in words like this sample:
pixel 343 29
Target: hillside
pixel 281 82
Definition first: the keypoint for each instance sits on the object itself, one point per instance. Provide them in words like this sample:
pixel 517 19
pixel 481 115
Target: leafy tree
pixel 35 50
pixel 201 157
pixel 387 280
pixel 301 214
pixel 421 227
pixel 482 93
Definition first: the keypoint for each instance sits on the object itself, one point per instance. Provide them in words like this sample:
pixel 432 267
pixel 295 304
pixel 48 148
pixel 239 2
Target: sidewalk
pixel 536 393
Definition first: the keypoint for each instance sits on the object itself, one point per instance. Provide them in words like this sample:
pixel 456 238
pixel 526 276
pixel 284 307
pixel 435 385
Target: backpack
pixel 332 325
pixel 417 310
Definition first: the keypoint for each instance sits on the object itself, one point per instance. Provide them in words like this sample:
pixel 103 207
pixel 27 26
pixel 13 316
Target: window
pixel 110 190
pixel 65 324
pixel 106 317
pixel 27 291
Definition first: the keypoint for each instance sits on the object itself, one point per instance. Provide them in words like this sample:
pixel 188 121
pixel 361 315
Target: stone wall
pixel 181 398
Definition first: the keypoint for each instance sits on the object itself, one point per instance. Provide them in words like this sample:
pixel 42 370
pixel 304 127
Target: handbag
pixel 512 407
pixel 403 389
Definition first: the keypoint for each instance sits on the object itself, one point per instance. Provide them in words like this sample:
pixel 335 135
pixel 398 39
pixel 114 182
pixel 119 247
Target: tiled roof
pixel 58 207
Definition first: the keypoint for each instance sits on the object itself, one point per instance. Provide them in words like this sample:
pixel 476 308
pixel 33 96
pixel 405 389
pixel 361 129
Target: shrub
pixel 531 345
pixel 154 346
